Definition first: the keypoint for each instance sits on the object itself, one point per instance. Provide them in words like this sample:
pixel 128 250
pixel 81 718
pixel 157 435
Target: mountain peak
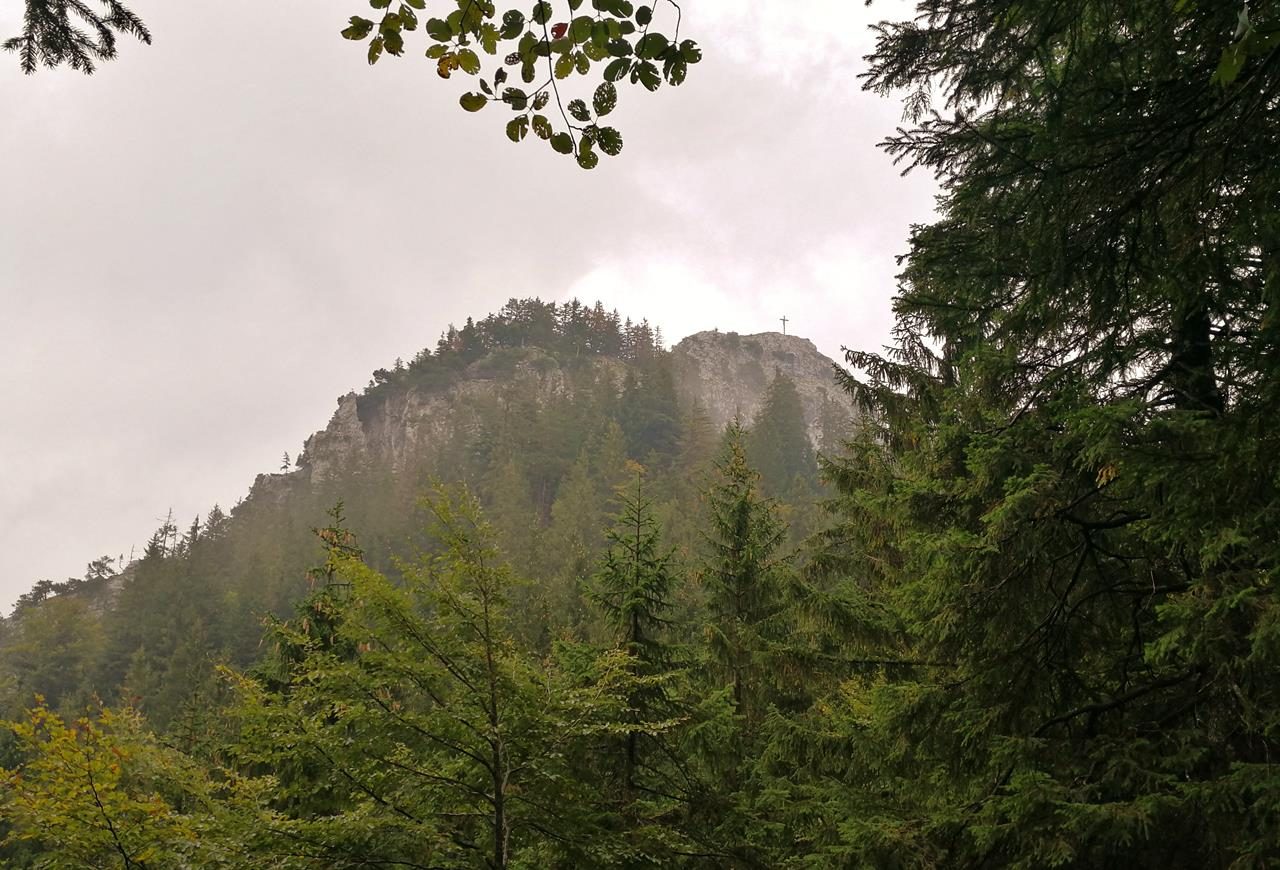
pixel 730 374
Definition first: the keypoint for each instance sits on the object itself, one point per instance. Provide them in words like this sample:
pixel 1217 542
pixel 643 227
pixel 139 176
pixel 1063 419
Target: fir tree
pixel 633 588
pixel 778 444
pixel 54 33
pixel 741 576
pixel 1066 527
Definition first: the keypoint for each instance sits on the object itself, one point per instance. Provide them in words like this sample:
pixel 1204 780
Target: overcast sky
pixel 208 241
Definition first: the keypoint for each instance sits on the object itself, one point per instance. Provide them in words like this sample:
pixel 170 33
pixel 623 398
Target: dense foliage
pixel 1036 628
pixel 1069 522
pixel 414 719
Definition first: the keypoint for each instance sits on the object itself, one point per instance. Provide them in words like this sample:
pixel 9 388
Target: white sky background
pixel 208 241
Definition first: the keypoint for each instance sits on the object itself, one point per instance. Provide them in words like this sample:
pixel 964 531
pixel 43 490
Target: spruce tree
pixel 1065 527
pixel 633 588
pixel 778 444
pixel 573 542
pixel 75 33
pixel 741 576
pixel 649 412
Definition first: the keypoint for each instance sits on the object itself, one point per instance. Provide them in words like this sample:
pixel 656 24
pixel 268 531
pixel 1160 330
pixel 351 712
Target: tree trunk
pixel 1191 373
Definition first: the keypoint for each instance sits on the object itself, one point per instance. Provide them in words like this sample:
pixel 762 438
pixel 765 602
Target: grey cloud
pixel 206 242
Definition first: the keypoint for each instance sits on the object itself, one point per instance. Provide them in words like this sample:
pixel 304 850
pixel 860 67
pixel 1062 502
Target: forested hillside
pixel 541 411
pixel 553 596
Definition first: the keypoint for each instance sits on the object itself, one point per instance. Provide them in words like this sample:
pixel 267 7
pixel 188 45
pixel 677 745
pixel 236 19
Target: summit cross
pixel 784 326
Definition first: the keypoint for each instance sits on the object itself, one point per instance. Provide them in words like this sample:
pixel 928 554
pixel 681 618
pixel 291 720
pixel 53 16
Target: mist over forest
pixel 992 589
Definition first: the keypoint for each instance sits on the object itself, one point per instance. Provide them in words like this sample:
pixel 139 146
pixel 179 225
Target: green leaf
pixel 647 74
pixel 675 70
pixel 468 61
pixel 651 46
pixel 489 38
pixel 541 12
pixel 540 101
pixel 525 50
pixel 359 29
pixel 578 109
pixel 437 50
pixel 541 127
pixel 617 70
pixel 580 29
pixel 584 64
pixel 375 50
pixel 516 98
pixel 394 42
pixel 690 52
pixel 379 4
pixel 1233 58
pixel 562 143
pixel 610 141
pixel 518 128
pixel 644 15
pixel 473 102
pixel 588 159
pixel 619 48
pixel 417 4
pixel 564 66
pixel 473 14
pixel 600 34
pixel 512 24
pixel 438 29
pixel 605 99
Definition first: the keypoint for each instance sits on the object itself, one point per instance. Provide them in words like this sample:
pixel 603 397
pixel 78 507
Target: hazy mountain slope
pixel 538 408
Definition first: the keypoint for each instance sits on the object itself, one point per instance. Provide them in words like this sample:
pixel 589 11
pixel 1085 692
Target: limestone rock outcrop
pixel 726 373
pixel 730 375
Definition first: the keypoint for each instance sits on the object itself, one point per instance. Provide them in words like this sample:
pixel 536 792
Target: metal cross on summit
pixel 784 326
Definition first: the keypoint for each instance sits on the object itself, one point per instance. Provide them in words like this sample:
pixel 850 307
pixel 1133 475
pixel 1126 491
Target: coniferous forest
pixel 1016 608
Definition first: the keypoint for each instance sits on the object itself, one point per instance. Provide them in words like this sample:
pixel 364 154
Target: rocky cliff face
pixel 727 373
pixel 730 374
